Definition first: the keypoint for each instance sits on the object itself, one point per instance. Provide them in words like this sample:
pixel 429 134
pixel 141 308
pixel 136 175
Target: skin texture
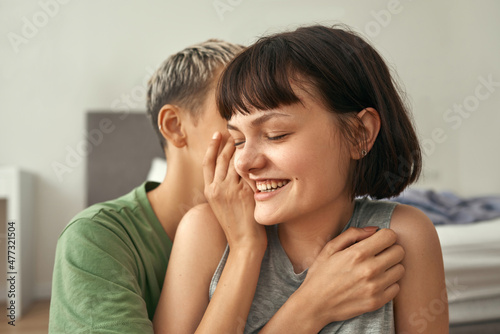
pixel 263 154
pixel 422 304
pixel 188 139
pixel 304 207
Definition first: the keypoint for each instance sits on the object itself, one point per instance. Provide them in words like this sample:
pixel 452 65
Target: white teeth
pixel 270 185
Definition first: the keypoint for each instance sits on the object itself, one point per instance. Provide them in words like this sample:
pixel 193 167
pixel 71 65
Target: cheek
pixel 323 165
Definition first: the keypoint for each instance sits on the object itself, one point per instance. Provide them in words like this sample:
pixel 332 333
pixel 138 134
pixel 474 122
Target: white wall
pixel 87 55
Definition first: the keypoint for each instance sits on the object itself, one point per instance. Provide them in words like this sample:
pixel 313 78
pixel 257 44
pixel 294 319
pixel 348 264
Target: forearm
pixel 337 287
pixel 228 310
pixel 295 316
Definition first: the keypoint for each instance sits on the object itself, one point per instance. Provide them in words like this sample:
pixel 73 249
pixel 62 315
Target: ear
pixel 370 119
pixel 171 126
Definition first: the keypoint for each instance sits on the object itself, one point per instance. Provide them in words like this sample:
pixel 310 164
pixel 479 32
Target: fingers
pixel 393 275
pixel 210 158
pixel 231 170
pixel 390 281
pixel 390 257
pixel 224 160
pixel 217 158
pixel 348 238
pixel 378 242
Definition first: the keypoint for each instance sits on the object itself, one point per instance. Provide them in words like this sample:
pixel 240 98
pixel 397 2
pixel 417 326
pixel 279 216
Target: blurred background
pixel 62 59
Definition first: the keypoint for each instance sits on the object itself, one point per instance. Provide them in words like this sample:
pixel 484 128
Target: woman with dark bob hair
pixel 318 134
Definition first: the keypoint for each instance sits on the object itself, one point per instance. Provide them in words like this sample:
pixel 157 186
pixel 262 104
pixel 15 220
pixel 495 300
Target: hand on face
pixel 355 273
pixel 230 197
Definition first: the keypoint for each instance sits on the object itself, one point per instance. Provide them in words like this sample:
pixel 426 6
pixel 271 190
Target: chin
pixel 267 218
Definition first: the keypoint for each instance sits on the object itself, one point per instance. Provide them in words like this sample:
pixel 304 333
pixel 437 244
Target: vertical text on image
pixel 11 272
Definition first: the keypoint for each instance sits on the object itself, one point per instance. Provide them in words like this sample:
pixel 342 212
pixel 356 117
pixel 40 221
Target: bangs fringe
pixel 259 78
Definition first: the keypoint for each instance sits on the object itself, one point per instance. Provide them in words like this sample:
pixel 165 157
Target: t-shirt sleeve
pixel 95 286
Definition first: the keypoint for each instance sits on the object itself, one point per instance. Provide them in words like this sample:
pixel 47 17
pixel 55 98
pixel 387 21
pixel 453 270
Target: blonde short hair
pixel 184 78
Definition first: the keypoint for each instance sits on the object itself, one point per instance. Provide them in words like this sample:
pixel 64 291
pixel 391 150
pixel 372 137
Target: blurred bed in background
pixel 469 229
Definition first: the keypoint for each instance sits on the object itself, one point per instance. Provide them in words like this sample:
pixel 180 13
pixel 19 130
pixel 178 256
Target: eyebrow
pixel 259 120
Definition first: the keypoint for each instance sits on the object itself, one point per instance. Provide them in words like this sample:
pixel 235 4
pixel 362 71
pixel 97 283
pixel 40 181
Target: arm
pixel 369 277
pixel 198 247
pixel 422 304
pixel 228 310
pixel 184 306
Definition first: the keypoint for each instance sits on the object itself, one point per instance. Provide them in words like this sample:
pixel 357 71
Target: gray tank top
pixel 277 280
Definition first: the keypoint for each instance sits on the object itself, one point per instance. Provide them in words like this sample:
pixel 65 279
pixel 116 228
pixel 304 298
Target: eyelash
pixel 238 143
pixel 270 138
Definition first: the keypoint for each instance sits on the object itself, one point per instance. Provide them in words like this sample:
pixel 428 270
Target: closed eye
pixel 238 143
pixel 278 137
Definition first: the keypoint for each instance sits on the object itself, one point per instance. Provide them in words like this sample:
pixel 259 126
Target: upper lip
pixel 262 179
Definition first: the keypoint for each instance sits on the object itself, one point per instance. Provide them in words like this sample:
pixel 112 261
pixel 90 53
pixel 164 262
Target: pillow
pixel 158 170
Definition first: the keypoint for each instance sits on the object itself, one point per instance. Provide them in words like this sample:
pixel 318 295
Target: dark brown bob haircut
pixel 348 75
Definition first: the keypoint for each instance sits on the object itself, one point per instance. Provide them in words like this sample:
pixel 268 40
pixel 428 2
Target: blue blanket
pixel 448 208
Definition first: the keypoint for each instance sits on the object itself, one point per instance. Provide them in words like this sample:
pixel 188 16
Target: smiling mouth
pixel 270 185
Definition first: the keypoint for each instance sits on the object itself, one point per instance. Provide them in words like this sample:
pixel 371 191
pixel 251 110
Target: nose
pixel 248 159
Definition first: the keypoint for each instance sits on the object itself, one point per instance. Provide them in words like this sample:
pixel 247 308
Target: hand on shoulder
pixel 355 273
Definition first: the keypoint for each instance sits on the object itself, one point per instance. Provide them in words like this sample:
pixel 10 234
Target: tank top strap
pixel 371 213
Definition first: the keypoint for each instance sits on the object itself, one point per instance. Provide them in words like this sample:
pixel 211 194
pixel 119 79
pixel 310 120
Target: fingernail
pixel 216 135
pixel 371 228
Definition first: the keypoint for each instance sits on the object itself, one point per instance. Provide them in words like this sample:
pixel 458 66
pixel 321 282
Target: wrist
pixel 315 315
pixel 249 243
pixel 250 249
pixel 294 317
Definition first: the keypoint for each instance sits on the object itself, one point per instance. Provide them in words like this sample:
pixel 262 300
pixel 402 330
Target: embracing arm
pixel 184 305
pixel 199 245
pixel 371 283
pixel 194 257
pixel 368 279
pixel 422 304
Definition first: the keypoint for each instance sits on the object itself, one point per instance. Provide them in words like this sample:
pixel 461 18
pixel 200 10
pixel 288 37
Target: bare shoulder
pixel 198 214
pixel 200 235
pixel 413 226
pixel 198 246
pixel 417 234
pixel 200 221
pixel 423 288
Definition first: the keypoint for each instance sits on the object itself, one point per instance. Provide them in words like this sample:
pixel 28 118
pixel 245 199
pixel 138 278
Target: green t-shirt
pixel 109 268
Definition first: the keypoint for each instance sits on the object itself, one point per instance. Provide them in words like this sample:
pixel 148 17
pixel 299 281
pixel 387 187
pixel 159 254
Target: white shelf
pixel 17 197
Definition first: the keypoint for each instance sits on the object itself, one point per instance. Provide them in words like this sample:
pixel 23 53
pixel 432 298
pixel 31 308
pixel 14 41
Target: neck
pixel 304 238
pixel 176 195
